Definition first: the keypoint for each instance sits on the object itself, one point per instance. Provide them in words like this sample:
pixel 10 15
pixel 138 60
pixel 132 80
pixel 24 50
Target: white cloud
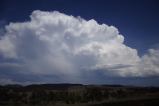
pixel 149 64
pixel 53 43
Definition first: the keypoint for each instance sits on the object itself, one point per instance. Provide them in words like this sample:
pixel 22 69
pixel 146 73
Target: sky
pixel 79 41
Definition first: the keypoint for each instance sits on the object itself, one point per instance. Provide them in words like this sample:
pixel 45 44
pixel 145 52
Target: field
pixel 78 95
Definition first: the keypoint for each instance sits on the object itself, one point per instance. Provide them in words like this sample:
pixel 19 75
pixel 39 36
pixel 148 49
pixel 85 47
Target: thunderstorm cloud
pixel 67 48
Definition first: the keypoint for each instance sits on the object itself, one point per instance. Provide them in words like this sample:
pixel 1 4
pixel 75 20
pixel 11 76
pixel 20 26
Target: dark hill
pixel 69 94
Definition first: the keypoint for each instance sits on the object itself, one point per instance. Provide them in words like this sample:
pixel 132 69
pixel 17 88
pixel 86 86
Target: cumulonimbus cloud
pixel 53 43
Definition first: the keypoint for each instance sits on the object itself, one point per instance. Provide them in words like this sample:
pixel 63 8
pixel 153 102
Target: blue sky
pixel 136 20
